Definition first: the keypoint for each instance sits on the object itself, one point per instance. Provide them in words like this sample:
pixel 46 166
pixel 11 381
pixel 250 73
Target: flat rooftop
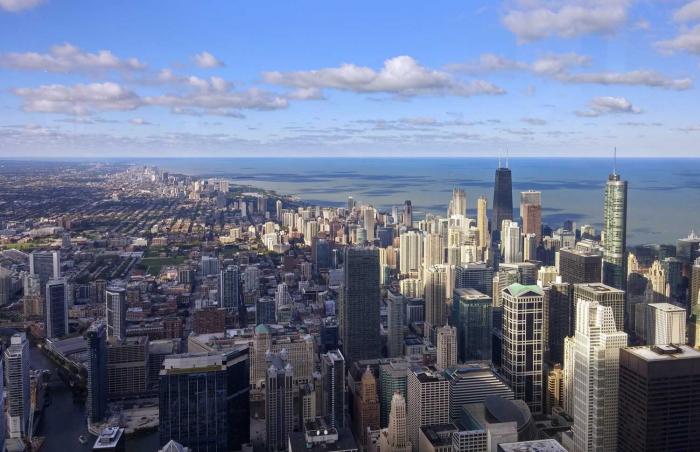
pixel 542 445
pixel 599 288
pixel 664 352
pixel 667 307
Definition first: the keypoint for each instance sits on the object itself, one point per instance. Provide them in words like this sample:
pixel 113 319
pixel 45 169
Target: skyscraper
pixel 471 315
pixel 115 300
pixel 482 221
pixel 46 265
pixel 369 218
pixel 395 437
pixel 558 306
pixel 366 406
pixel 522 343
pixel 56 308
pixel 229 281
pixel 458 203
pixel 204 400
pixel 446 347
pixel 410 252
pixel 17 378
pixel 333 387
pixel 615 232
pixel 579 267
pixel 605 296
pixel 512 245
pixel 531 213
pixel 502 198
pixel 97 371
pixel 596 348
pixel 5 286
pixel 659 402
pixel 279 402
pixel 360 304
pixel 433 250
pixel 392 378
pixel 428 401
pixel 435 306
pixel 695 283
pixel 665 324
pixel 396 321
pixel 408 214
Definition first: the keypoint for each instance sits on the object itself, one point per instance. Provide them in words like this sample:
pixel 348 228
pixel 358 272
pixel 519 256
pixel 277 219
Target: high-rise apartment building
pixel 229 287
pixel 471 316
pixel 615 232
pixel 18 391
pixel 333 387
pixel 659 400
pixel 502 198
pixel 115 300
pixel 596 348
pixel 396 322
pixel 410 252
pixel 428 401
pixel 522 342
pixel 360 304
pixel 46 265
pixel 433 250
pixel 209 266
pixel 57 308
pixel 435 305
pixel 511 241
pixel 579 267
pixel 408 214
pixel 96 338
pixel 531 214
pixel 204 400
pixel 482 222
pixel 446 347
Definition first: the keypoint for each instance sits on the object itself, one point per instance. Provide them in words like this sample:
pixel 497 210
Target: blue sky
pixel 389 78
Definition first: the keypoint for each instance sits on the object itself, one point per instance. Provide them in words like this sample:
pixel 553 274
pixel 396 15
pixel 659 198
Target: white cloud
pixel 534 20
pixel 401 75
pixel 139 122
pixel 69 58
pixel 561 67
pixel 207 60
pixel 78 99
pixel 534 121
pixel 688 12
pixel 14 6
pixel 608 105
pixel 687 41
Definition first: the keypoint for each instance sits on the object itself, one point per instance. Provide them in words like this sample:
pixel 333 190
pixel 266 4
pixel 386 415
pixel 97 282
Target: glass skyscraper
pixel 615 230
pixel 502 199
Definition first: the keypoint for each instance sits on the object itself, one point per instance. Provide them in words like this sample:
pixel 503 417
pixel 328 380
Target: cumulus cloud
pixel 534 20
pixel 139 122
pixel 686 41
pixel 78 99
pixel 688 12
pixel 14 6
pixel 566 68
pixel 207 60
pixel 69 58
pixel 402 76
pixel 604 105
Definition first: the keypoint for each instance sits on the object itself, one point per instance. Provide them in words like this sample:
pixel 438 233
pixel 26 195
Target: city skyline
pixel 535 78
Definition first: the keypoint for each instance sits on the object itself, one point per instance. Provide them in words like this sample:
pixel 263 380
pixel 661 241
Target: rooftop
pixel 598 288
pixel 108 439
pixel 667 307
pixel 542 445
pixel 519 290
pixel 664 352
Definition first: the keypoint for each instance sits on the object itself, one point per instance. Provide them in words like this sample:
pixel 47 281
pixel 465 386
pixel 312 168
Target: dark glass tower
pixel 360 305
pixel 97 371
pixel 615 230
pixel 502 199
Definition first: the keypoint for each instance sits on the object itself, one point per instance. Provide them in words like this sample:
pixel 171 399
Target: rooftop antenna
pixel 507 158
pixel 499 158
pixel 615 161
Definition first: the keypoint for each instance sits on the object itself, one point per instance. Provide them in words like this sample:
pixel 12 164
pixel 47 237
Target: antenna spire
pixel 499 158
pixel 615 161
pixel 507 158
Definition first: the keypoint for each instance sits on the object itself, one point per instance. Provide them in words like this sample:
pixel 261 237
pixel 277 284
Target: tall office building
pixel 333 387
pixel 579 267
pixel 392 378
pixel 531 214
pixel 360 304
pixel 615 232
pixel 204 400
pixel 18 391
pixel 596 349
pixel 476 276
pixel 695 283
pixel 428 401
pixel 56 308
pixel 471 316
pixel 605 296
pixel 435 305
pixel 320 254
pixel 369 220
pixel 395 437
pixel 97 371
pixel 209 266
pixel 458 203
pixel 522 343
pixel 446 347
pixel 46 265
pixel 482 221
pixel 474 382
pixel 410 252
pixel 229 282
pixel 408 214
pixel 396 322
pixel 665 324
pixel 558 307
pixel 433 250
pixel 6 289
pixel 115 300
pixel 659 402
pixel 279 402
pixel 366 406
pixel 512 245
pixel 502 198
